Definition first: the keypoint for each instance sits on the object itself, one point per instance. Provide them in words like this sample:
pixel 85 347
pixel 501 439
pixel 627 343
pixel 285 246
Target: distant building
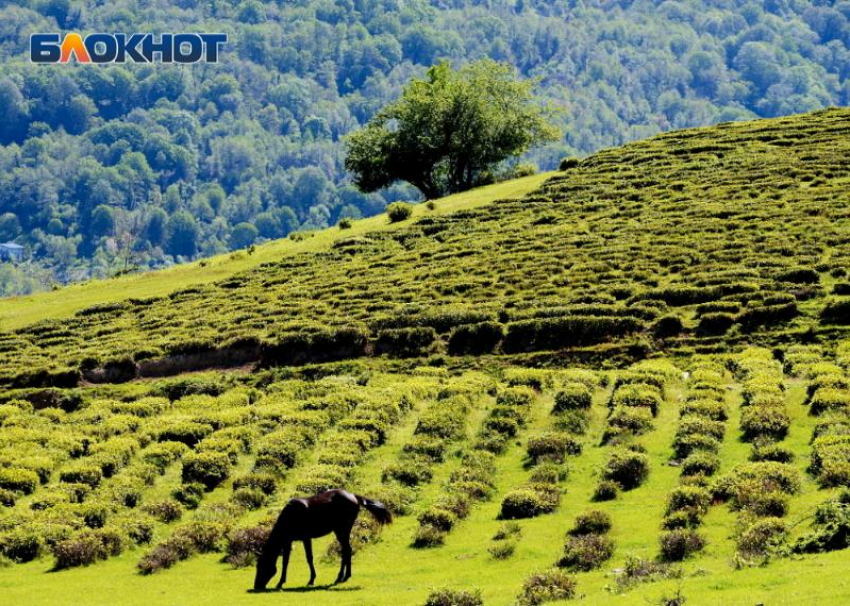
pixel 11 252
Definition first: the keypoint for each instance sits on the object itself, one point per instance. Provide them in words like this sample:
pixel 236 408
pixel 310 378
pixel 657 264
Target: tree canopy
pixel 450 130
pixel 257 138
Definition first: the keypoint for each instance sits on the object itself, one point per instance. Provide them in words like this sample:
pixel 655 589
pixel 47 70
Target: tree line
pixel 105 169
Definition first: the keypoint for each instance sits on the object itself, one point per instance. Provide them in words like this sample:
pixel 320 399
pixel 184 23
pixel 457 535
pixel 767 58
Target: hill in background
pixel 172 164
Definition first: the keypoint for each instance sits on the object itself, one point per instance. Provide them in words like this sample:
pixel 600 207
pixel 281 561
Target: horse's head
pixel 266 569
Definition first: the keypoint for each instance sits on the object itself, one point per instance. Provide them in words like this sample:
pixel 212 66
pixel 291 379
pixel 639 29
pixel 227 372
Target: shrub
pixel 86 548
pixel 691 498
pixel 758 539
pixel 245 544
pixel 522 503
pixel 502 550
pixel 568 163
pixel 552 446
pixel 165 555
pixel 165 511
pixel 426 446
pixel 518 397
pixel 454 597
pixel 772 452
pixel 250 498
pixel 501 425
pixel 442 422
pixel 18 480
pixel 627 468
pixel 190 494
pixel 203 536
pixel 508 530
pixel 586 552
pixel 321 478
pixel 429 536
pixel 627 421
pixel 829 400
pixel 685 445
pixel 716 323
pixel 606 490
pixel 82 473
pixel 207 468
pixel 836 311
pixel 344 223
pixel 677 545
pixel 573 396
pixel 410 472
pixel 764 422
pixel 548 473
pixel 440 519
pixel 548 586
pixel 709 409
pixel 189 433
pixel 21 544
pixel 475 339
pixel 700 463
pixel 265 482
pixel 667 326
pixel 138 529
pixel 8 498
pixel 399 211
pixel 591 522
pixel 640 395
pixel 566 331
pixel 405 342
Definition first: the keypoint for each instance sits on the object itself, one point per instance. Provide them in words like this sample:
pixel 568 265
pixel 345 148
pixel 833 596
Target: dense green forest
pixel 104 169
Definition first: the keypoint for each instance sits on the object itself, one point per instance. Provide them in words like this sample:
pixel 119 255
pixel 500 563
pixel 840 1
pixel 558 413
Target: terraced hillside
pixel 631 383
pixel 689 241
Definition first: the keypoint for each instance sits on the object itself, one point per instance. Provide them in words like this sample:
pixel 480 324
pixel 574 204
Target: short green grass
pixel 392 572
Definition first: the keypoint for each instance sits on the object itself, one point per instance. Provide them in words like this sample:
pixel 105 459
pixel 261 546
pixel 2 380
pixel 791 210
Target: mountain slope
pixel 480 364
pixel 689 241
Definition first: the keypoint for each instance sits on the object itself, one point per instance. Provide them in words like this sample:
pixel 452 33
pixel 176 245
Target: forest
pixel 110 169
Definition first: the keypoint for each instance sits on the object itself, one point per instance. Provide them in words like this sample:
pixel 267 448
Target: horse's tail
pixel 378 510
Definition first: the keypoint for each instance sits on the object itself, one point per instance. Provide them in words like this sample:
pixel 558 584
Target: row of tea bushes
pixel 639 393
pixel 760 490
pixel 99 463
pixel 588 545
pixel 701 429
pixel 764 418
pixel 547 452
pixel 474 480
pixel 828 397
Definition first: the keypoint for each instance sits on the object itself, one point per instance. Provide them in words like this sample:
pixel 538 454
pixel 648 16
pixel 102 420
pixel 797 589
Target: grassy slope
pixel 16 312
pixel 391 573
pixel 727 215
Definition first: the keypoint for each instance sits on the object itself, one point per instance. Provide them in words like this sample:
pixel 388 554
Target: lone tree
pixel 448 129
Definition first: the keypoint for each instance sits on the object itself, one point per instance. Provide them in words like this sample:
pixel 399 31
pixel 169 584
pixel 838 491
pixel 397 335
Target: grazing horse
pixel 332 511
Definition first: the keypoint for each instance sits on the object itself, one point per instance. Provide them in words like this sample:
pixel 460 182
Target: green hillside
pixel 633 380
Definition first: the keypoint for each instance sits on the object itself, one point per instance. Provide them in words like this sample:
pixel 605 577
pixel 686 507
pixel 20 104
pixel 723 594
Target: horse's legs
pixel 345 556
pixel 287 549
pixel 344 538
pixel 308 551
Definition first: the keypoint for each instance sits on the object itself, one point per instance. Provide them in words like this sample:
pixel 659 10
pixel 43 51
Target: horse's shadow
pixel 335 587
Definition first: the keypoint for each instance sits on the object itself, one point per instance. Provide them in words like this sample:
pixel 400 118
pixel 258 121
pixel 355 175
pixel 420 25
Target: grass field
pixel 392 572
pixel 665 322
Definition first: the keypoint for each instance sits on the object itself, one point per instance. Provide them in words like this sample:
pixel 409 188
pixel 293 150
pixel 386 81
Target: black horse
pixel 332 511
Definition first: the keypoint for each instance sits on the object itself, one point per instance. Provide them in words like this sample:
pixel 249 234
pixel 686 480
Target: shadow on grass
pixel 307 589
